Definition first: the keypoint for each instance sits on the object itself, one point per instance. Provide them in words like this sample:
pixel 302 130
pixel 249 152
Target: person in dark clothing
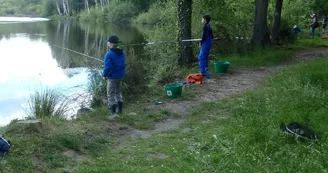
pixel 205 46
pixel 324 24
pixel 314 24
pixel 296 29
pixel 4 147
pixel 114 71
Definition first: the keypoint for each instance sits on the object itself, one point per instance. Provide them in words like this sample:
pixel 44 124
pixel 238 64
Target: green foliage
pixel 135 75
pixel 47 103
pixel 97 87
pixel 298 12
pixel 115 11
pixel 118 11
pixel 161 12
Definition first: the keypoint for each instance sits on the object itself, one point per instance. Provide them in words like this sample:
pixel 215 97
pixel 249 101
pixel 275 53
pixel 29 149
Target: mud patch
pixel 161 127
pixel 186 130
pixel 75 156
pixel 160 156
pixel 167 125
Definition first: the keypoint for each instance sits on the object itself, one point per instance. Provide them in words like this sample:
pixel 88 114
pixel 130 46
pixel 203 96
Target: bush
pixel 115 11
pixel 47 103
pixel 136 78
pixel 159 12
pixel 150 17
pixel 97 87
pixel 118 11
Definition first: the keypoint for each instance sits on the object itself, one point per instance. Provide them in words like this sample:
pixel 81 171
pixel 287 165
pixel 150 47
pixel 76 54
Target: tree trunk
pixel 261 36
pixel 276 21
pixel 185 56
pixel 101 5
pixel 64 7
pixel 86 5
pixel 86 44
pixel 96 3
pixel 67 7
pixel 58 8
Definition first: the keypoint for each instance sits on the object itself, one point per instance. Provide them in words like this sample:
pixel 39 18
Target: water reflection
pixel 30 60
pixel 27 65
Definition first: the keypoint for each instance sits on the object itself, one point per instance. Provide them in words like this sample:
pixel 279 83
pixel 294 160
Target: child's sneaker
pixel 113 116
pixel 208 75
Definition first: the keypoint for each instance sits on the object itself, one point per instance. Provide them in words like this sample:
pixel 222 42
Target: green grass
pixel 44 149
pixel 270 56
pixel 261 57
pixel 312 42
pixel 240 134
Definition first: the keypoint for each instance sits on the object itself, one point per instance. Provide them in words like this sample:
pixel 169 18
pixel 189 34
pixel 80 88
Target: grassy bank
pixel 239 134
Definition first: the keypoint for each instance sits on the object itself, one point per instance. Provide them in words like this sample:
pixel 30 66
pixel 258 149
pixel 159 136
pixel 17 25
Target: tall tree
pixel 185 55
pixel 276 21
pixel 261 34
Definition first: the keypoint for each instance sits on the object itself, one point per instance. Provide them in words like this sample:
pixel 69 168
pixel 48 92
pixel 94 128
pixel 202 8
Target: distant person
pixel 114 71
pixel 314 24
pixel 324 24
pixel 296 29
pixel 205 46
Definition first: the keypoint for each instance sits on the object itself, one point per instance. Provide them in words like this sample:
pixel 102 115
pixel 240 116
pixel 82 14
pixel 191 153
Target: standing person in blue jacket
pixel 114 71
pixel 205 46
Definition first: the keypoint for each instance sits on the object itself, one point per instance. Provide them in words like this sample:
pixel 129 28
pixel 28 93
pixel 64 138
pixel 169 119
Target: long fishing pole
pixel 80 53
pixel 149 43
pixel 166 42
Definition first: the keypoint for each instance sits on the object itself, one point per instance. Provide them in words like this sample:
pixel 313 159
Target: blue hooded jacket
pixel 4 147
pixel 114 64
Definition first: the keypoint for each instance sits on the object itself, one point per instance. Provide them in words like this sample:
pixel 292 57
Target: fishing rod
pixel 166 42
pixel 80 53
pixel 149 43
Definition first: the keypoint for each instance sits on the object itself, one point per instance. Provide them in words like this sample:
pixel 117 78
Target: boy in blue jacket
pixel 114 71
pixel 205 46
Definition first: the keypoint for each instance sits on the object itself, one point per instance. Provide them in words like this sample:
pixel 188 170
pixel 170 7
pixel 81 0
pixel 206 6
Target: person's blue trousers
pixel 204 57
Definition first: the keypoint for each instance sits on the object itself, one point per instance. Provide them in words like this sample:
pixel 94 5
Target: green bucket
pixel 173 90
pixel 221 66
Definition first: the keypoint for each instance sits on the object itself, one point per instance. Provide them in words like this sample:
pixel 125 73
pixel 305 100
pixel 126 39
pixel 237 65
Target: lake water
pixel 32 57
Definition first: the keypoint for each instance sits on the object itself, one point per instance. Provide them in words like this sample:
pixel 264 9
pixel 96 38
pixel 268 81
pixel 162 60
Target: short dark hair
pixel 207 18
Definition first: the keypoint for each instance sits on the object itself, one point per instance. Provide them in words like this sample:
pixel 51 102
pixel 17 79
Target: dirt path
pixel 234 82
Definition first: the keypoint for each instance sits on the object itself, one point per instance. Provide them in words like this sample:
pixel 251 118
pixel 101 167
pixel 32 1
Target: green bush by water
pixel 47 103
pixel 116 11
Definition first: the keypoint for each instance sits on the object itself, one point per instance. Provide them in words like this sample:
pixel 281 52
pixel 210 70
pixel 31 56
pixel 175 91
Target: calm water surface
pixel 30 59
